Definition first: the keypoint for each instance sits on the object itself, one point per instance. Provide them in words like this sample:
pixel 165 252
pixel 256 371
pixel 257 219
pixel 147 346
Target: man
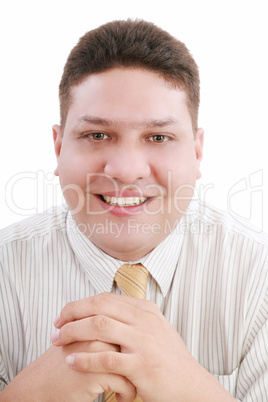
pixel 129 151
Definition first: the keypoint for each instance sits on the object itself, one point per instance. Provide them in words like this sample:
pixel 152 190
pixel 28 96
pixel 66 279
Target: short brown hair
pixel 131 43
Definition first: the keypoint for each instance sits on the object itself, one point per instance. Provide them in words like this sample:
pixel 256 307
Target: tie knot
pixel 132 280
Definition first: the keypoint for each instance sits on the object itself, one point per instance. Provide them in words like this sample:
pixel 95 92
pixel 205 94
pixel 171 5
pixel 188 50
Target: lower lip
pixel 123 211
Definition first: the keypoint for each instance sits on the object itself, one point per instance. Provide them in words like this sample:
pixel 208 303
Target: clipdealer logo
pixel 134 228
pixel 248 192
pixel 32 192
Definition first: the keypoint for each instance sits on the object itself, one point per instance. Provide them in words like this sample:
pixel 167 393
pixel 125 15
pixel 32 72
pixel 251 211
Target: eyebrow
pixel 99 121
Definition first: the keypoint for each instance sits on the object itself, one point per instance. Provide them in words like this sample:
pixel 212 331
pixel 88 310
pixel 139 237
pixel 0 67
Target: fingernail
pixel 70 360
pixel 54 337
pixel 56 320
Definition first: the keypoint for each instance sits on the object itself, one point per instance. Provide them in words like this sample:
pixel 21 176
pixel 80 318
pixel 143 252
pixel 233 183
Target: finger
pixel 112 363
pixel 123 388
pixel 93 347
pixel 108 304
pixel 103 362
pixel 96 328
pixel 99 383
pixel 102 347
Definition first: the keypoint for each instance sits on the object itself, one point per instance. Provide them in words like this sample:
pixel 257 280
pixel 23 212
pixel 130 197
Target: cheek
pixel 176 173
pixel 73 180
pixel 71 174
pixel 74 167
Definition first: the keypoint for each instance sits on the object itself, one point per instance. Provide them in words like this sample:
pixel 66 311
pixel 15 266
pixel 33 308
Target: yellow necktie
pixel 132 281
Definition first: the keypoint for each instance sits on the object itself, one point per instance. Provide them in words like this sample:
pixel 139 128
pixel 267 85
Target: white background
pixel 228 39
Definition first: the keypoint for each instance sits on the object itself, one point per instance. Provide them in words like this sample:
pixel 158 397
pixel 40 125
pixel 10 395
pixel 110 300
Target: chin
pixel 127 247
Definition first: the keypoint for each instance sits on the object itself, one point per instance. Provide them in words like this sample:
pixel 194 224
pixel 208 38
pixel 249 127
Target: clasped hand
pixel 133 348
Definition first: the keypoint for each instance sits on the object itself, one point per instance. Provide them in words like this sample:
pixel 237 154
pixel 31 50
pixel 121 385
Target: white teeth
pixel 121 201
pixel 124 201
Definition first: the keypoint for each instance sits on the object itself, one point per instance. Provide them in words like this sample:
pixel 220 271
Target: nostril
pixel 128 169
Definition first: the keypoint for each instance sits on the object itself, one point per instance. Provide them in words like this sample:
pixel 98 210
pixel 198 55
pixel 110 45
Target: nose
pixel 127 166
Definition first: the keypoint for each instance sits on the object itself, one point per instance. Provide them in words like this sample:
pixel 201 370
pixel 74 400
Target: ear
pixel 199 142
pixel 57 138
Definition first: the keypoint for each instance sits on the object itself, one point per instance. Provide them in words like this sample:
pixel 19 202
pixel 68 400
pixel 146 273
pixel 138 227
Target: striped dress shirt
pixel 209 278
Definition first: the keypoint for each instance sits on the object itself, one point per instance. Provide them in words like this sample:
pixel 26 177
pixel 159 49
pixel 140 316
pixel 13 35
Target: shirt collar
pixel 101 267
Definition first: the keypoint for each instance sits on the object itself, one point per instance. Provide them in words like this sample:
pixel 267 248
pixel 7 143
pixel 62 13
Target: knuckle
pixel 101 323
pixel 66 332
pixel 109 362
pixel 67 310
pixel 83 363
pixel 100 300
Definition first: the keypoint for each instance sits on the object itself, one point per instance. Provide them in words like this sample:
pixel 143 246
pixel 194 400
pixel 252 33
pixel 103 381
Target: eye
pixel 98 136
pixel 158 138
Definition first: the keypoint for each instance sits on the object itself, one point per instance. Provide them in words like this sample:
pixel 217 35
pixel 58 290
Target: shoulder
pixel 215 220
pixel 54 219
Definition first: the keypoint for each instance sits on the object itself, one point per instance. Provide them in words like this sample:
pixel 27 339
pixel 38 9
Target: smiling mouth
pixel 124 201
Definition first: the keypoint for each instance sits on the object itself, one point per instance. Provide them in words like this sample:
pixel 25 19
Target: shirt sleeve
pixel 252 381
pixel 12 348
pixel 3 376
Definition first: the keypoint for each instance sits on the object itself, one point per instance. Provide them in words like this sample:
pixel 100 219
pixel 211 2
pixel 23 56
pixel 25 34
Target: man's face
pixel 128 160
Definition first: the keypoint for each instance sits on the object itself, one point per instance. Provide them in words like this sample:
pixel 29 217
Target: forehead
pixel 125 94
